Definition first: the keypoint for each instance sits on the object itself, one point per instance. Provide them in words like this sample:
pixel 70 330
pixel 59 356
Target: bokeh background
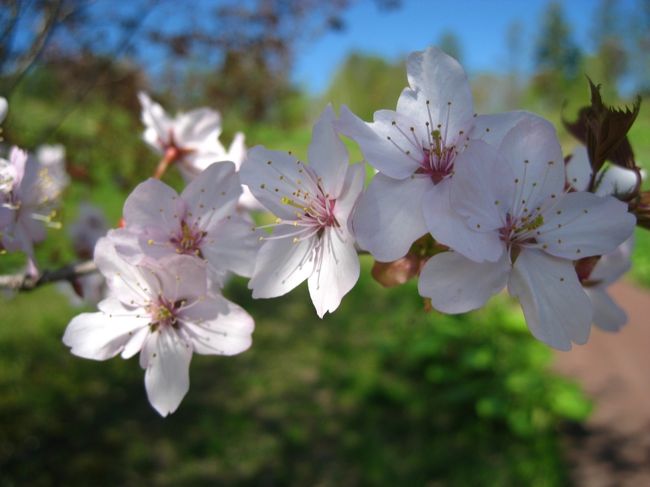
pixel 381 392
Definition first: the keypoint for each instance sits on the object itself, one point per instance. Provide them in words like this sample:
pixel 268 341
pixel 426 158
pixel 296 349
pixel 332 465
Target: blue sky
pixel 481 26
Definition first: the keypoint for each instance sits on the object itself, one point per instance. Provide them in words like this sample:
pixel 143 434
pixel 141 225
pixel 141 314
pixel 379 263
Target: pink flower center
pixel 164 313
pixel 433 148
pixel 521 230
pixel 321 212
pixel 188 239
pixel 438 162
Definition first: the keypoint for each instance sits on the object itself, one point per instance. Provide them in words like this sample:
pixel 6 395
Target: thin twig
pixel 25 282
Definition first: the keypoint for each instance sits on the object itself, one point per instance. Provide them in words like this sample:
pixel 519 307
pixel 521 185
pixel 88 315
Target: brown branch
pixel 25 282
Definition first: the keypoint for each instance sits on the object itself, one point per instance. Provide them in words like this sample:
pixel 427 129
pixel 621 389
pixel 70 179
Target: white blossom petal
pixel 611 267
pixel 535 156
pixel 4 107
pixel 270 183
pixel 456 284
pixel 197 127
pixel 442 93
pixel 556 308
pixel 391 151
pixel 167 378
pixel 237 149
pixel 282 264
pixel 617 180
pixel 216 191
pixel 578 169
pixel 493 128
pixel 100 336
pixel 451 229
pixel 180 277
pixel 608 316
pixel 215 326
pixel 327 154
pixel 388 217
pixel 157 123
pixel 583 224
pixel 482 189
pixel 125 281
pixel 337 273
pixel 233 246
pixel 153 204
pixel 352 188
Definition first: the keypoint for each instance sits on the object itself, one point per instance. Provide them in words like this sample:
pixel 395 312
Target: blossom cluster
pixel 492 194
pixel 30 187
pixel 165 270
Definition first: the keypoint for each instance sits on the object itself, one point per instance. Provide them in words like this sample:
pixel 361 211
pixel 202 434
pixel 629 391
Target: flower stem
pixel 171 154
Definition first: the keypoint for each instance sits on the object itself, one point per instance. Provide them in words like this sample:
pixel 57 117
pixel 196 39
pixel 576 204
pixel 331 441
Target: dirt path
pixel 614 447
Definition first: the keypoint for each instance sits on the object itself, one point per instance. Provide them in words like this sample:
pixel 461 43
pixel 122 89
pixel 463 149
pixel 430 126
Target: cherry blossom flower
pixel 191 137
pixel 311 239
pixel 192 140
pixel 608 315
pixel 164 311
pixel 201 222
pixel 26 206
pixel 514 198
pixel 415 150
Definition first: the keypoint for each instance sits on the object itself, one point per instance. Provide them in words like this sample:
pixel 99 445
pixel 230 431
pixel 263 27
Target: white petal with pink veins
pixel 233 246
pixel 557 310
pixel 179 277
pixel 456 284
pixel 391 149
pixel 125 281
pixel 492 128
pixel 482 189
pixel 153 203
pixel 282 264
pixel 535 156
pixel 352 188
pixel 337 274
pixel 327 154
pixel 388 217
pixel 100 336
pixel 215 191
pixel 167 360
pixel 270 183
pixel 450 228
pixel 217 327
pixel 583 224
pixel 439 80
